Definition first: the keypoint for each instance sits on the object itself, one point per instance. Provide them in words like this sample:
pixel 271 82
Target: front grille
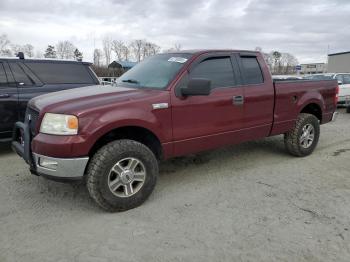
pixel 32 117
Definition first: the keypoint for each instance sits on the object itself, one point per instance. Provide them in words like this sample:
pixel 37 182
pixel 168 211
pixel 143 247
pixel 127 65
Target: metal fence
pixel 108 80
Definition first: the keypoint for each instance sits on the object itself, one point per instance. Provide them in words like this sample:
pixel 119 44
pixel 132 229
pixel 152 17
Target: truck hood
pixel 78 100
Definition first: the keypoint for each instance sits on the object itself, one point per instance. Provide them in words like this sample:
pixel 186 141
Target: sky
pixel 307 29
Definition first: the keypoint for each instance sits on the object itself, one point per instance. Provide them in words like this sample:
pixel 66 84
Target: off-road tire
pixel 101 164
pixel 292 138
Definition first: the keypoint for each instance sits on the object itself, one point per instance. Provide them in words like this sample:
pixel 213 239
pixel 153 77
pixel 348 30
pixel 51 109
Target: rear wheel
pixel 121 175
pixel 303 138
pixel 348 109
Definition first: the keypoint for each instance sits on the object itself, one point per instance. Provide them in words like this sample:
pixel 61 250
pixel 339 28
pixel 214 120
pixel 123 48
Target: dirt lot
pixel 251 202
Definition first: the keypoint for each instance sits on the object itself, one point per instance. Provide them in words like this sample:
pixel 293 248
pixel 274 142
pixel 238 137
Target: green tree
pixel 50 52
pixel 78 55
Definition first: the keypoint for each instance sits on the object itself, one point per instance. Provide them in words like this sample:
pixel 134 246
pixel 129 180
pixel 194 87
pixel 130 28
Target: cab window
pixel 219 70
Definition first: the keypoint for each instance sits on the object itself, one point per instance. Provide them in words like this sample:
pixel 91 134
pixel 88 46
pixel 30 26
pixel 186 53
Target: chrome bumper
pixel 60 167
pixel 334 116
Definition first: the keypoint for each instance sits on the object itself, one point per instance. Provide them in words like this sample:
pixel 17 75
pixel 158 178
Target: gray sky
pixel 303 28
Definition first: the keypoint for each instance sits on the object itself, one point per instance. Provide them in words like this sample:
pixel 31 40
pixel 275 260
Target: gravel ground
pixel 251 202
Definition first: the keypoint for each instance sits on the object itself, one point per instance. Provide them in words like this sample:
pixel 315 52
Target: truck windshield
pixel 154 72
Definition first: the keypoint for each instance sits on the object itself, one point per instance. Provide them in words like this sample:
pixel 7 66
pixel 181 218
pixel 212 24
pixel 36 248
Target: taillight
pixel 336 95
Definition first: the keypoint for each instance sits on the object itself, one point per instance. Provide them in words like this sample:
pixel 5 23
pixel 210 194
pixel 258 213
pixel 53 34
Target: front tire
pixel 303 138
pixel 122 175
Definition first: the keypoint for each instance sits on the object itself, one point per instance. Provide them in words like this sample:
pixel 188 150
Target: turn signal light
pixel 72 122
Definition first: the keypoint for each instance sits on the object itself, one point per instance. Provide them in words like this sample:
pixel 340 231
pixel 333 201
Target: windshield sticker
pixel 178 59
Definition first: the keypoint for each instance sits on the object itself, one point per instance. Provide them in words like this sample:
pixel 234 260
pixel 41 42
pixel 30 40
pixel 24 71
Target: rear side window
pixel 61 73
pixel 20 76
pixel 3 78
pixel 251 71
pixel 218 70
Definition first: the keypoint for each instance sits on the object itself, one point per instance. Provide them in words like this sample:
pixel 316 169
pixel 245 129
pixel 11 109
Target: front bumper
pixel 50 167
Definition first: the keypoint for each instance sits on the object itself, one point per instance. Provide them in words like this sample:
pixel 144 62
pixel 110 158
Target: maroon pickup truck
pixel 168 105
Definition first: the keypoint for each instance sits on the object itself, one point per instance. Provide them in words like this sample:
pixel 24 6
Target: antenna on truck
pixel 20 55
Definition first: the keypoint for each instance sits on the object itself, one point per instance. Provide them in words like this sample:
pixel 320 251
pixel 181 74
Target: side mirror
pixel 340 82
pixel 197 87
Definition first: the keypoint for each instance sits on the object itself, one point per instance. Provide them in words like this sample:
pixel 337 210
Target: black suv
pixel 23 79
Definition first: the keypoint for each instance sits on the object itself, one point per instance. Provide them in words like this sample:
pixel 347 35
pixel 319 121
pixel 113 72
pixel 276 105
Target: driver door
pixel 206 122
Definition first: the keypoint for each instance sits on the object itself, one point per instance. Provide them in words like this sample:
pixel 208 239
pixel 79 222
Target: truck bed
pixel 291 95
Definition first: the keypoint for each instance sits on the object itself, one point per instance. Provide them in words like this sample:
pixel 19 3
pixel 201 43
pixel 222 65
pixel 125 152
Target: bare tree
pixel 16 48
pixel 118 47
pixel 39 54
pixel 107 48
pixel 98 57
pixel 177 46
pixel 5 49
pixel 28 50
pixel 136 48
pixel 288 63
pixel 126 53
pixel 151 49
pixel 65 50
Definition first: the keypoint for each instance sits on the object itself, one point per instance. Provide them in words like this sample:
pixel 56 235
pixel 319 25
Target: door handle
pixel 4 95
pixel 238 100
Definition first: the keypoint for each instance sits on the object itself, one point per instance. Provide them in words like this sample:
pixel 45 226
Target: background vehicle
pixel 286 77
pixel 344 85
pixel 23 79
pixel 166 106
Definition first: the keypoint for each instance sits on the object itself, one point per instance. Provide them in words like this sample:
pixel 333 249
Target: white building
pixel 313 68
pixel 339 62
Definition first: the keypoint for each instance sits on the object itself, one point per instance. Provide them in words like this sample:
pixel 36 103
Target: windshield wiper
pixel 132 81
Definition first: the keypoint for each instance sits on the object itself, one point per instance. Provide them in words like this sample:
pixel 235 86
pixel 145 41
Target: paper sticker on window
pixel 177 59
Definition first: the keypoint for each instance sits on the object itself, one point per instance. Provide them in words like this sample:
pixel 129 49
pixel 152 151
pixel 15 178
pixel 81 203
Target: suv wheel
pixel 303 138
pixel 121 175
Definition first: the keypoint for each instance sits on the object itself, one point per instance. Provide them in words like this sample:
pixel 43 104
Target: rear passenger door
pixel 258 95
pixel 8 102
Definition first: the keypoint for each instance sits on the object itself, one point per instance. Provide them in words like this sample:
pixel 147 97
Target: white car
pixel 344 85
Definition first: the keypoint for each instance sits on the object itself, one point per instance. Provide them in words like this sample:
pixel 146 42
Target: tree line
pixel 136 50
pixel 280 63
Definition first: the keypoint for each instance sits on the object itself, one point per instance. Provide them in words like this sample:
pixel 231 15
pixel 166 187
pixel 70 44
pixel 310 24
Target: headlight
pixel 58 124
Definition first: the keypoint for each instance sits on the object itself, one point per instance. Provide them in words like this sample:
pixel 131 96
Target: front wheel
pixel 121 175
pixel 303 138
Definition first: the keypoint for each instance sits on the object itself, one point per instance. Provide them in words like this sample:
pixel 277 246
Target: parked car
pixel 344 85
pixel 286 77
pixel 23 79
pixel 169 105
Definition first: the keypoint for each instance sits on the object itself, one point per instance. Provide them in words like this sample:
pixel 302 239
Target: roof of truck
pixel 199 51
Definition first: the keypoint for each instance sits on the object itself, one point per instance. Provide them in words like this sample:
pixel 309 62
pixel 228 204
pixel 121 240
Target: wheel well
pixel 138 134
pixel 313 109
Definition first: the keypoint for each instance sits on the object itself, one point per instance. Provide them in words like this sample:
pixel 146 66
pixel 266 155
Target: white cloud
pixel 303 28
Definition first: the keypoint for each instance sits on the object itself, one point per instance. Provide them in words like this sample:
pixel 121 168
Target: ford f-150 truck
pixel 169 105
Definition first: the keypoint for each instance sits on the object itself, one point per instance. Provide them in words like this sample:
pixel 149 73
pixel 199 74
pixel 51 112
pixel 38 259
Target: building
pixel 125 65
pixel 313 68
pixel 339 62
